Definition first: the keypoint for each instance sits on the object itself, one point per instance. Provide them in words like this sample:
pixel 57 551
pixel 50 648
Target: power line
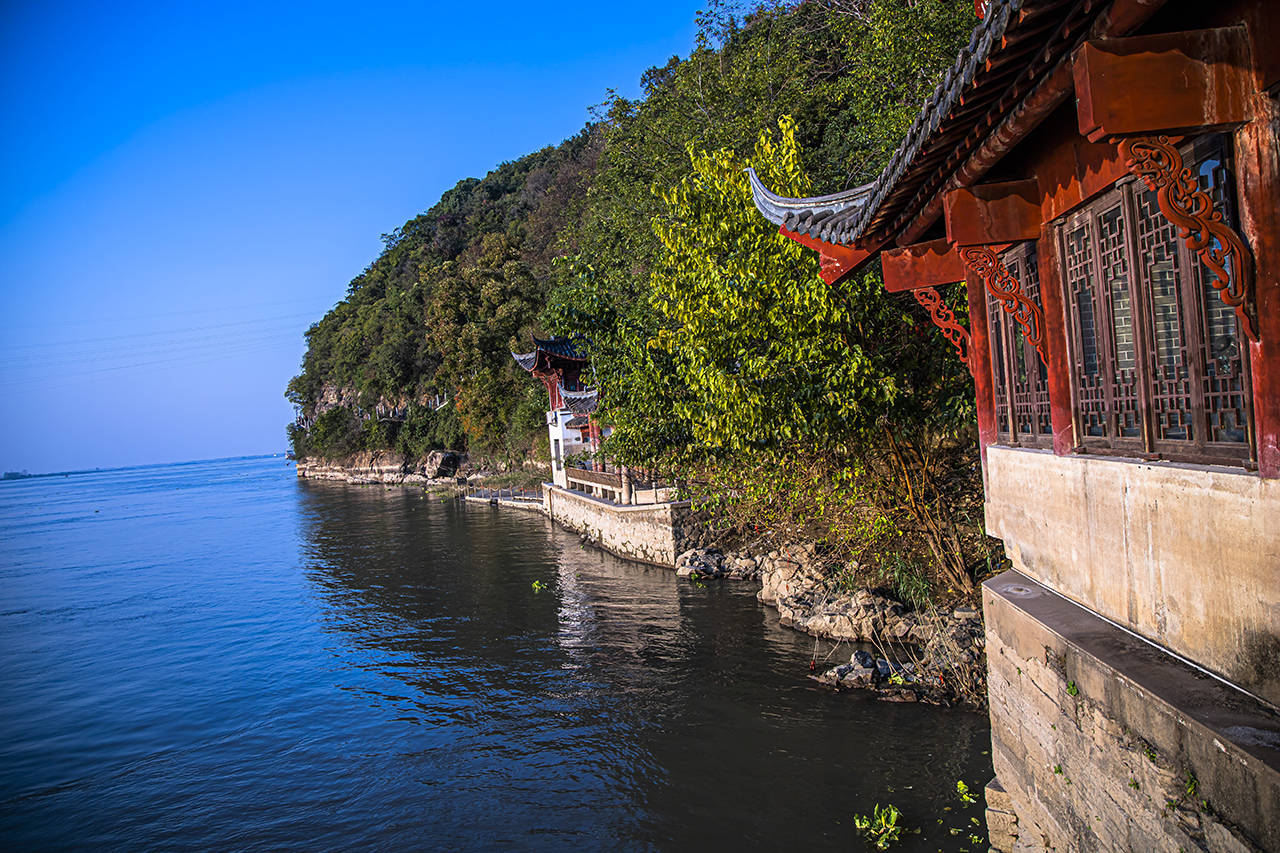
pixel 157 332
pixel 242 348
pixel 71 357
pixel 157 316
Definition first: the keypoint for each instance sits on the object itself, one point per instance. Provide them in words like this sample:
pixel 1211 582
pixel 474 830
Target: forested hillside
pixel 431 318
pixel 720 354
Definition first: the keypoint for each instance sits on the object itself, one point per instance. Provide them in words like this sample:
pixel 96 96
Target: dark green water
pixel 217 656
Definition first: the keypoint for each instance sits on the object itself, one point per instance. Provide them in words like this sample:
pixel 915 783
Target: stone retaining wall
pixel 1104 742
pixel 648 534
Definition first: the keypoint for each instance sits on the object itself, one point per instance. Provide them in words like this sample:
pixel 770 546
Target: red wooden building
pixel 572 430
pixel 1104 177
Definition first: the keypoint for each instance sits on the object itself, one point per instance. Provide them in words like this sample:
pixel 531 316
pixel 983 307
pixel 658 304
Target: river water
pixel 215 655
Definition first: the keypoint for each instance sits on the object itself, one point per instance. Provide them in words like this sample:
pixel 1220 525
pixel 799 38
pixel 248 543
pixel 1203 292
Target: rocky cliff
pixel 383 466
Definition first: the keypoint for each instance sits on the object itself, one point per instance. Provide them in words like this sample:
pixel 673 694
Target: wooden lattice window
pixel 1157 359
pixel 1020 378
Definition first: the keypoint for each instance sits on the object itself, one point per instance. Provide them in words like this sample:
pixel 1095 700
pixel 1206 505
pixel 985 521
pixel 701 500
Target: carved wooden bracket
pixel 1191 210
pixel 945 319
pixel 983 262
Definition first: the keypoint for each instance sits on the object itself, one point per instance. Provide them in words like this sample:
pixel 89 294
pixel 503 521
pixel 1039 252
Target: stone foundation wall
pixel 1105 742
pixel 649 534
pixel 1185 555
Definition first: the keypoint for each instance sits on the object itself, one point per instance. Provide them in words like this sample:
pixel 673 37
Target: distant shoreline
pixel 18 476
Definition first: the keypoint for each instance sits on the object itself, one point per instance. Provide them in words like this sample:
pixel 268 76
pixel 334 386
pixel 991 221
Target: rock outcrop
pixel 934 656
pixel 383 467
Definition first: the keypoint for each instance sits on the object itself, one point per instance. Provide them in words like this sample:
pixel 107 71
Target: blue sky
pixel 184 188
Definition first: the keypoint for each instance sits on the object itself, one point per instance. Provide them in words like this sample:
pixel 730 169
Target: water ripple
pixel 222 657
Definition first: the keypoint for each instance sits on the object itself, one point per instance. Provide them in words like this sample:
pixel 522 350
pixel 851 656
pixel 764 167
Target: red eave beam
pixel 835 261
pixel 921 265
pixel 1164 83
pixel 983 214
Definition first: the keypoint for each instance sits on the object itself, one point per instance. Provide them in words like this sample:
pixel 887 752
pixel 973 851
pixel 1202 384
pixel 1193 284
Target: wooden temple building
pixel 572 428
pixel 558 365
pixel 1104 177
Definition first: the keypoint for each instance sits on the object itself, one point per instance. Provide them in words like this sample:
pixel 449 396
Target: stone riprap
pixel 931 656
pixel 926 656
pixel 710 564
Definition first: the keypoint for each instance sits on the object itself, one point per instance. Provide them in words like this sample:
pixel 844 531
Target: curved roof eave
pixel 562 347
pixel 842 218
pixel 797 214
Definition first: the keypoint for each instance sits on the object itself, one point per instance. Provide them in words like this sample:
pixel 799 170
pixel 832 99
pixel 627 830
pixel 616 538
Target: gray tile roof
pixel 805 215
pixel 1017 43
pixel 563 347
pixel 579 402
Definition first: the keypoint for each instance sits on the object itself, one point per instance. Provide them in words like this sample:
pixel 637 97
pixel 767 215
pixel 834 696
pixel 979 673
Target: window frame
pixel 1191 314
pixel 1013 397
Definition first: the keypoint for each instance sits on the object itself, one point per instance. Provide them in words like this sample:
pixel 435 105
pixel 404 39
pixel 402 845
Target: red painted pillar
pixel 1053 300
pixel 980 362
pixel 1257 150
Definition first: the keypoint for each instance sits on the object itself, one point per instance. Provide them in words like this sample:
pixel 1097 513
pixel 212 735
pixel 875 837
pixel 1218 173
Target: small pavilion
pixel 571 426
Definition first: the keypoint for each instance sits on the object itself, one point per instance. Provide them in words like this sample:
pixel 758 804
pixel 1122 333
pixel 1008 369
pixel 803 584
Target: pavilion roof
pixel 580 402
pixel 547 351
pixel 578 422
pixel 562 347
pixel 1013 49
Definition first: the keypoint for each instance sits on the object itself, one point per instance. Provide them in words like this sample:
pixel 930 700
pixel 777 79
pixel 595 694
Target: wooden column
pixel 1257 151
pixel 980 364
pixel 1053 299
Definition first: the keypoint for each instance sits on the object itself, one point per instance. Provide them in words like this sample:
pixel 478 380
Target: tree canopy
pixel 637 235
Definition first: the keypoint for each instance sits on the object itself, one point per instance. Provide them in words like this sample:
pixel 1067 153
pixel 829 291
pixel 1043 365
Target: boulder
pixel 857 676
pixel 900 695
pixel 439 463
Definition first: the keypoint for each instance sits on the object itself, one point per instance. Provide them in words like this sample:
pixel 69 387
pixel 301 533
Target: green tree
pixel 481 310
pixel 767 351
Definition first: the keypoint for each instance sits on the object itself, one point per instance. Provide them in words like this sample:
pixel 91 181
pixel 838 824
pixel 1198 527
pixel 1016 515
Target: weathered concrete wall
pixel 1186 555
pixel 1105 742
pixel 650 534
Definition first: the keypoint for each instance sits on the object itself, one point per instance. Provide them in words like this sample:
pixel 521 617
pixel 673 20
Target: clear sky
pixel 185 187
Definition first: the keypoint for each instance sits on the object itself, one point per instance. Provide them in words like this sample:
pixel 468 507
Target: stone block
pixel 1105 742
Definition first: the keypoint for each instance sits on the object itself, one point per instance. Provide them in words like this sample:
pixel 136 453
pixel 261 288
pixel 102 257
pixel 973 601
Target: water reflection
pixel 618 708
